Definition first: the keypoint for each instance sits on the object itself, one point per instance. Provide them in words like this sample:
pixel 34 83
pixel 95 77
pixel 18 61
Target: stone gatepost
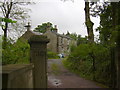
pixel 38 51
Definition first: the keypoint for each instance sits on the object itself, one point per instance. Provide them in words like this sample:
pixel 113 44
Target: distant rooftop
pixel 61 35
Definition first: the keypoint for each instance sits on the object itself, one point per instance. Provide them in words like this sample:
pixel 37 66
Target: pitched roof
pixel 28 34
pixel 61 35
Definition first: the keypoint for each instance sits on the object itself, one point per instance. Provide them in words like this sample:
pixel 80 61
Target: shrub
pixel 81 61
pixel 52 55
pixel 16 53
pixel 55 69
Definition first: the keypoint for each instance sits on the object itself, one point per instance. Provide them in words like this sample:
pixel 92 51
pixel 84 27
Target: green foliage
pixel 14 16
pixel 55 69
pixel 43 28
pixel 82 40
pixel 67 34
pixel 0 49
pixel 52 55
pixel 72 35
pixel 80 61
pixel 6 20
pixel 16 53
pixel 72 46
pixel 109 23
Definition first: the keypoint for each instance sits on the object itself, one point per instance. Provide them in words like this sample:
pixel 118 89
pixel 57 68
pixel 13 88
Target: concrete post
pixel 38 50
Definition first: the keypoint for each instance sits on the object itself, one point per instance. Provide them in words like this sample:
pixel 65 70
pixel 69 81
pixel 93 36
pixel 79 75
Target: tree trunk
pixel 118 42
pixel 94 68
pixel 7 14
pixel 117 57
pixel 5 35
pixel 116 61
pixel 89 23
pixel 113 66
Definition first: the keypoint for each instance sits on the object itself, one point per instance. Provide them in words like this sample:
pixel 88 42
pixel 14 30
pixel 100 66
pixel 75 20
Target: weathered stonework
pixel 38 51
pixel 17 76
pixel 59 43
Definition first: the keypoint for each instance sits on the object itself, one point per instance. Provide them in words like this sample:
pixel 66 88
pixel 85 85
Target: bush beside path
pixel 60 77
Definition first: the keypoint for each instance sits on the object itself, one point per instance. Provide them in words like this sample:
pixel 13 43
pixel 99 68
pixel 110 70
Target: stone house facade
pixel 58 43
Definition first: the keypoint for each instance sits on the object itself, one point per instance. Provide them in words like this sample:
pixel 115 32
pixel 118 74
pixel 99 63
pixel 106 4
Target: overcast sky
pixel 68 16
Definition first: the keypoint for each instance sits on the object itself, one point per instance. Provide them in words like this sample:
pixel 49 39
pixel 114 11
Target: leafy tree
pixel 73 36
pixel 68 34
pixel 12 10
pixel 109 26
pixel 109 29
pixel 116 28
pixel 51 55
pixel 8 21
pixel 88 22
pixel 43 28
pixel 87 61
pixel 16 53
pixel 105 28
pixel 82 40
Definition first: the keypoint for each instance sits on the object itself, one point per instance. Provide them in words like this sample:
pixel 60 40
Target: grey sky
pixel 68 16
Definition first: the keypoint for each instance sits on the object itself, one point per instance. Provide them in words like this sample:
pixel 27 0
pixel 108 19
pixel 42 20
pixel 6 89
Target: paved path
pixel 62 78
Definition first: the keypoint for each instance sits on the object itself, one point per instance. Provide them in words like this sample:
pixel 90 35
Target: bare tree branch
pixel 3 11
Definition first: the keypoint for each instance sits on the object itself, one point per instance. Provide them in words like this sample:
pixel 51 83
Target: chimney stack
pixel 48 27
pixel 55 27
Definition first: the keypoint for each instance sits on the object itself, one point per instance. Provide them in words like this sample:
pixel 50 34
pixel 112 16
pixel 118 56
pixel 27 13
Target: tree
pixel 16 53
pixel 109 30
pixel 116 27
pixel 43 28
pixel 12 10
pixel 88 22
pixel 81 40
pixel 109 35
pixel 67 33
pixel 72 35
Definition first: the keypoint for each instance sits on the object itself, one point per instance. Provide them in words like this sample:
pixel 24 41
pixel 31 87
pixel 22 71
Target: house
pixel 28 33
pixel 58 43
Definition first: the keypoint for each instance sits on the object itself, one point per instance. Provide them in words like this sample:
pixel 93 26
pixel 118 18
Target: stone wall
pixel 17 76
pixel 32 75
pixel 63 44
pixel 59 43
pixel 52 45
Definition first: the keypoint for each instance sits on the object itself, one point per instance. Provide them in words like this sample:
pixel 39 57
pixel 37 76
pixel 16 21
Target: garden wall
pixel 17 76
